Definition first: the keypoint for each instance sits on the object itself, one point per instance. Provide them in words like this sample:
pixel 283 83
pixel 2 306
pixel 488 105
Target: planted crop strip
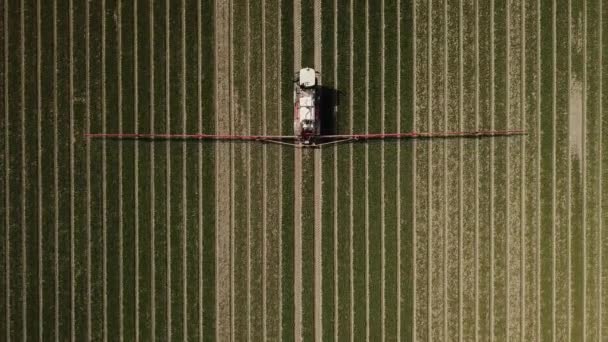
pixel 476 239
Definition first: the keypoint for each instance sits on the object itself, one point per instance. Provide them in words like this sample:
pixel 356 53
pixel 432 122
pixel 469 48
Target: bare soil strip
pixel 318 196
pixel 298 286
pixel 318 281
pixel 223 227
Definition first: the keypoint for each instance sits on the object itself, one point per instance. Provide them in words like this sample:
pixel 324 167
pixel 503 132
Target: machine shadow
pixel 329 99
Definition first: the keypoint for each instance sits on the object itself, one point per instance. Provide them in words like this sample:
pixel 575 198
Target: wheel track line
pixel 136 162
pixel 231 181
pixel 584 175
pixel 318 192
pixel 445 171
pixel 553 165
pixel 199 93
pixel 280 211
pixel 367 282
pixel 248 152
pixel 7 184
pixel 121 276
pixel 398 122
pixel 414 172
pixel 508 166
pixel 477 87
pixel 223 187
pixel 184 180
pixel 336 300
pixel 335 177
pixel 298 281
pixel 601 223
pixel 23 187
pixel 104 171
pixel 569 199
pixel 152 183
pixel 523 185
pixel 264 183
pixel 538 167
pixel 56 167
pixel 72 173
pixel 351 195
pixel 429 80
pixel 169 289
pixel 39 164
pixel 492 165
pixel 382 181
pixel 460 169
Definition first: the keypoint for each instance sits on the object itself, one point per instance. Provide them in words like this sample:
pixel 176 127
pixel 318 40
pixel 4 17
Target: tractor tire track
pixel 318 194
pixel 223 227
pixel 298 278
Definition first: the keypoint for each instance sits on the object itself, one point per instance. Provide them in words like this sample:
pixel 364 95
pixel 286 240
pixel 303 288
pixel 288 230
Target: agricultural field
pixel 431 239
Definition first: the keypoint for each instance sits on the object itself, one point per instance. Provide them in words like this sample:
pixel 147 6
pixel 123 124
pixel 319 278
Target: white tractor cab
pixel 306 120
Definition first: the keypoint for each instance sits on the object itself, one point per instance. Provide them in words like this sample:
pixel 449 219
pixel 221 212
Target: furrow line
pixel 6 179
pixel 382 181
pixel 23 187
pixel 39 163
pixel 136 162
pixel 121 277
pixel 184 181
pixel 168 170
